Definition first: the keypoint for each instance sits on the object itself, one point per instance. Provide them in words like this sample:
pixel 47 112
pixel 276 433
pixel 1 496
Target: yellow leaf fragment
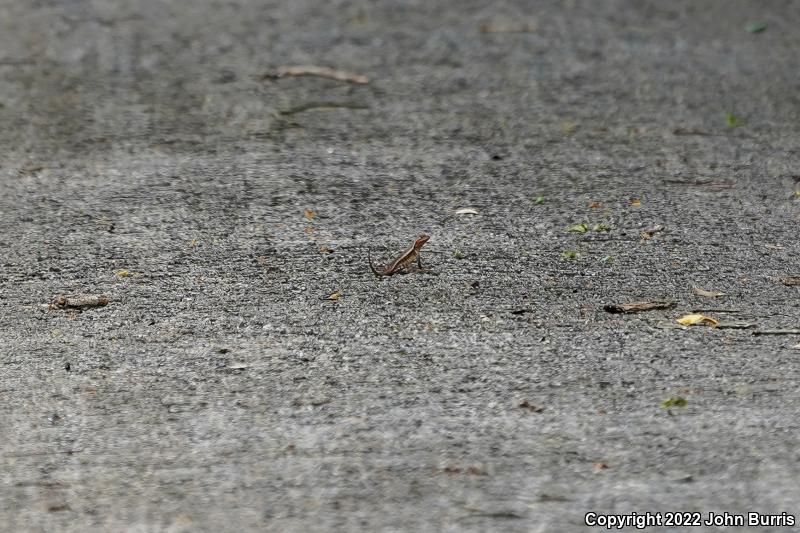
pixel 334 296
pixel 193 243
pixel 674 401
pixel 124 273
pixel 635 202
pixel 709 294
pixel 694 320
pixel 595 205
pixel 310 214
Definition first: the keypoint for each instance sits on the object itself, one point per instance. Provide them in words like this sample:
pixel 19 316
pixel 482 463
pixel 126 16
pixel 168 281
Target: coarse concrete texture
pixel 149 153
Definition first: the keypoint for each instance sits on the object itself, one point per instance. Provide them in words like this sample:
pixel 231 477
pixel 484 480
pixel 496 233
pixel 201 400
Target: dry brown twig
pixel 777 332
pixel 320 72
pixel 508 28
pixel 636 307
pixel 79 302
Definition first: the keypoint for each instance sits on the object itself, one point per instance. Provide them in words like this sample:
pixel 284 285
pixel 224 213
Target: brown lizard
pixel 403 261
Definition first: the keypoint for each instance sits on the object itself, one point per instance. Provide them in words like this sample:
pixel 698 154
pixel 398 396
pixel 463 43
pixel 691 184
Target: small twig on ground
pixel 635 307
pixel 777 332
pixel 34 454
pixel 694 131
pixel 710 185
pixel 513 28
pixel 79 302
pixel 734 325
pixel 321 72
pixel 322 105
pixel 790 281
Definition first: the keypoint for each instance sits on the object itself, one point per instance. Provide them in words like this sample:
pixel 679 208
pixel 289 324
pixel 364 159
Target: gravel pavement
pixel 249 373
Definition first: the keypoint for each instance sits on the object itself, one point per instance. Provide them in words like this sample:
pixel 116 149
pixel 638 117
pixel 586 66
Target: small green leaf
pixel 539 200
pixel 571 254
pixel 579 228
pixel 675 401
pixel 755 27
pixel 458 254
pixel 601 227
pixel 732 120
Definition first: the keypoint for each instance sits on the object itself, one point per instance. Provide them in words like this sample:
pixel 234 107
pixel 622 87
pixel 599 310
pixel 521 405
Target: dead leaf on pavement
pixel 31 169
pixel 595 205
pixel 635 202
pixel 674 401
pixel 579 228
pixel 790 281
pixel 694 320
pixel 325 250
pixel 334 296
pixel 709 294
pixel 648 233
pixel 636 307
pixel 524 404
pixel 601 466
pixel 310 214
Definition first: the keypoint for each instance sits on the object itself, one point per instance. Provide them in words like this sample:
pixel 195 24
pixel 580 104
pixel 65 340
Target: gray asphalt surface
pixel 220 391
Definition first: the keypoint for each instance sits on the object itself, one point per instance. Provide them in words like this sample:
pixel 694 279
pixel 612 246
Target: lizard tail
pixel 369 259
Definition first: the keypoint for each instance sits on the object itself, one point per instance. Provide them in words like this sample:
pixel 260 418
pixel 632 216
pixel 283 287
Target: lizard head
pixel 421 240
